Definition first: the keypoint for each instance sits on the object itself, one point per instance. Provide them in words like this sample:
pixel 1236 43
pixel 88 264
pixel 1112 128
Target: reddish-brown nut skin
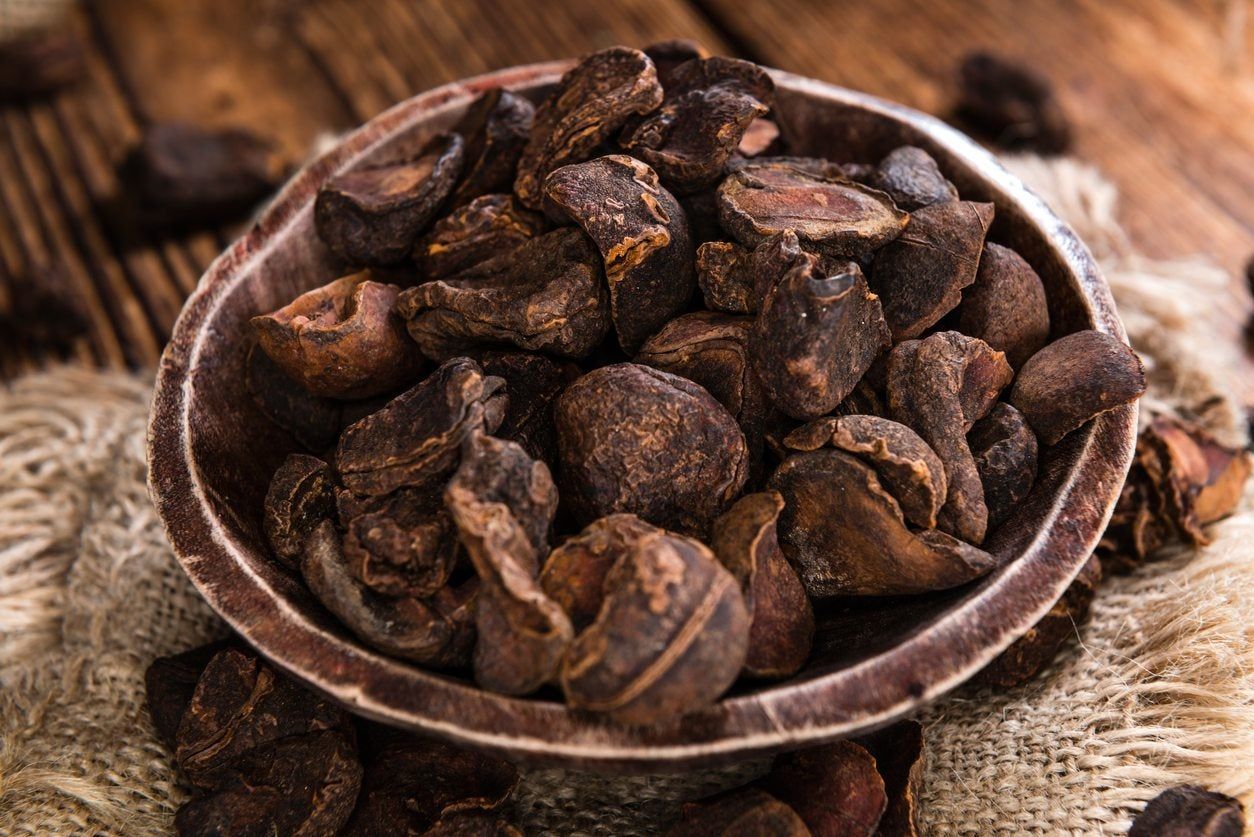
pixel 920 275
pixel 401 545
pixel 1197 479
pixel 592 101
pixel 489 227
pixel 636 440
pixel 169 683
pixel 342 340
pixel 834 788
pixel 669 639
pixel 574 573
pixel 1006 306
pixel 311 420
pixel 1190 811
pixel 495 127
pixel 642 233
pixel 781 628
pixel 911 178
pixel 1074 379
pixel 370 216
pixel 301 495
pixel 742 812
pixel 761 138
pixel 1005 450
pixel 898 751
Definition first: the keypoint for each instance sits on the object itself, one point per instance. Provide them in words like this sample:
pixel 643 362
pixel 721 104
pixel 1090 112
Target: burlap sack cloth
pixel 1160 689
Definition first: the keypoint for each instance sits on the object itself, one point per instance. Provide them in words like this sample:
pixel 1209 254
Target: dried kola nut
pixel 1011 105
pixel 670 637
pixel 312 421
pixel 532 383
pixel 905 464
pixel 846 535
pixel 667 55
pixel 574 573
pixel 735 279
pixel 591 102
pixel 817 333
pixel 372 215
pixel 402 545
pixel 834 788
pixel 415 440
pixel 1074 379
pixel 342 340
pixel 940 387
pixel 910 177
pixel 1190 811
pixel 301 495
pixel 495 128
pixel 898 754
pixel 761 137
pixel 920 275
pixel 782 621
pixel 642 234
pixel 633 439
pixel 488 227
pixel 169 684
pixel 503 502
pixel 1006 306
pixel 550 297
pixel 830 214
pixel 743 812
pixel 1005 450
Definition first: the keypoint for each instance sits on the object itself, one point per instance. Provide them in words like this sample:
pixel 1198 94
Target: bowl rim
pixel 776 717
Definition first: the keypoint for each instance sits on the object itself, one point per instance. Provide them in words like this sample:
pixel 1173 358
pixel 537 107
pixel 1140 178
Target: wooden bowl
pixel 875 660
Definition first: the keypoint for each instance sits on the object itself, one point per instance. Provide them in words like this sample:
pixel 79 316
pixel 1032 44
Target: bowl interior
pixel 213 453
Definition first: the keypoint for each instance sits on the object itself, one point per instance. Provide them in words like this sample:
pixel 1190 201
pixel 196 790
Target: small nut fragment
pixel 169 684
pixel 735 279
pixel 401 545
pixel 834 788
pixel 1006 306
pixel 495 127
pixel 1004 448
pixel 301 496
pixel 489 227
pixel 574 573
pixel 912 179
pixel 1190 811
pixel 742 812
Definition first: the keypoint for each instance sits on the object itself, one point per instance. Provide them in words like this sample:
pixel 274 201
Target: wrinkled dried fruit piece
pixel 169 684
pixel 415 440
pixel 735 279
pixel 312 421
pixel 574 573
pixel 1005 449
pixel 1006 306
pixel 1074 379
pixel 905 464
pixel 816 335
pixel 1190 811
pixel 45 307
pixel 591 102
pixel 301 495
pixel 830 214
pixel 532 384
pixel 495 128
pixel 834 788
pixel 615 419
pixel 920 275
pixel 846 535
pixel 669 54
pixel 743 812
pixel 1011 105
pixel 550 297
pixel 669 639
pixel 489 227
pixel 899 757
pixel 911 178
pixel 403 545
pixel 372 215
pixel 342 340
pixel 781 619
pixel 642 233
pixel 503 502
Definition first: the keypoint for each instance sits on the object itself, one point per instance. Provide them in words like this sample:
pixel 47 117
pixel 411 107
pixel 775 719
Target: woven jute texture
pixel 1157 689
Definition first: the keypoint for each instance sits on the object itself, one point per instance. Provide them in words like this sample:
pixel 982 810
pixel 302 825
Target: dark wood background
pixel 1160 91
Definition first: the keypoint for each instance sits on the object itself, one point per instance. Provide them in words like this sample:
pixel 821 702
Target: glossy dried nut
pixel 846 535
pixel 342 340
pixel 404 546
pixel 301 495
pixel 1075 379
pixel 743 812
pixel 669 54
pixel 615 419
pixel 830 214
pixel 574 573
pixel 169 683
pixel 642 233
pixel 415 440
pixel 372 215
pixel 495 128
pixel 438 632
pixel 920 275
pixel 781 628
pixel 1011 105
pixel 592 101
pixel 898 751
pixel 1005 449
pixel 817 334
pixel 906 465
pixel 735 279
pixel 551 297
pixel 532 384
pixel 912 179
pixel 670 637
pixel 1006 306
pixel 834 788
pixel 312 421
pixel 489 227
pixel 1190 811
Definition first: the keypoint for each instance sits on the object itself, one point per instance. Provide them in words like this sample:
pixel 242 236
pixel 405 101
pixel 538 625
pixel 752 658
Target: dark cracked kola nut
pixel 169 683
pixel 550 296
pixel 920 275
pixel 669 54
pixel 834 788
pixel 592 101
pixel 781 628
pixel 495 128
pixel 899 757
pixel 735 279
pixel 1190 811
pixel 1074 379
pixel 574 573
pixel 742 812
pixel 301 495
pixel 617 417
pixel 313 421
pixel 532 384
pixel 1011 105
pixel 912 179
pixel 402 545
pixel 830 214
pixel 1005 452
pixel 371 216
pixel 489 227
pixel 642 233
pixel 670 638
pixel 1006 305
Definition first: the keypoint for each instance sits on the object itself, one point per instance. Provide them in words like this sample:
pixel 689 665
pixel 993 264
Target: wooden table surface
pixel 1161 93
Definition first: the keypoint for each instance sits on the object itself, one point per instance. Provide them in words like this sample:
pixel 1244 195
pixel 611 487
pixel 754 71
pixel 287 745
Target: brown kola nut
pixel 834 788
pixel 1005 451
pixel 669 54
pixel 401 545
pixel 574 573
pixel 1190 811
pixel 911 178
pixel 169 683
pixel 1006 306
pixel 899 757
pixel 735 279
pixel 495 128
pixel 741 812
pixel 301 495
pixel 342 340
pixel 489 227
